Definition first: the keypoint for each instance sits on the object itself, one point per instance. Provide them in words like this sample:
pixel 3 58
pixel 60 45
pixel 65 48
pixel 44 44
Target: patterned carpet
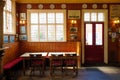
pixel 85 73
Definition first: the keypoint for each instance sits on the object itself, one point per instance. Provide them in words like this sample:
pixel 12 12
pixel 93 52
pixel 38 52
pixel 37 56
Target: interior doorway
pixel 94 36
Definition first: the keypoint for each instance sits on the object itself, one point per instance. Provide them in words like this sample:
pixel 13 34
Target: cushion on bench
pixel 12 63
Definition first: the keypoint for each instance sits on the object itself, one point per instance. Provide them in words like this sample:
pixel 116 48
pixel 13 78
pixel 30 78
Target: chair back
pixel 56 59
pixel 70 60
pixel 35 55
pixel 37 59
pixel 70 54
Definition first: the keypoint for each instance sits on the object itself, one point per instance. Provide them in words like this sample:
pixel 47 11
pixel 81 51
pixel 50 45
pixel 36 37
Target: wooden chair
pixel 56 63
pixel 70 63
pixel 37 62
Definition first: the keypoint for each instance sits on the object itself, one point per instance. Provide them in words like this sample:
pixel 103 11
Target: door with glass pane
pixel 94 42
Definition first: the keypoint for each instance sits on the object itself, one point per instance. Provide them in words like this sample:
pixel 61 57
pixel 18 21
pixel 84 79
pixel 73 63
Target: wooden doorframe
pixel 105 35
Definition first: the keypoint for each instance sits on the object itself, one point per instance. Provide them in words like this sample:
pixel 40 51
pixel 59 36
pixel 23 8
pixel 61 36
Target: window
pixel 46 25
pixel 94 16
pixel 8 18
pixel 89 32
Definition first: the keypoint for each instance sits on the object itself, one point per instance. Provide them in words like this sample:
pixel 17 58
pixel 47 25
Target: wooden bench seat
pixel 9 72
pixel 12 63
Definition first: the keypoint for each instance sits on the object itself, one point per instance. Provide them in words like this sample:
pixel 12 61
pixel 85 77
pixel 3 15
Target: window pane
pixel 51 33
pixel 89 34
pixel 51 17
pixel 42 17
pixel 59 33
pixel 34 33
pixel 93 16
pixel 43 32
pixel 98 34
pixel 8 23
pixel 59 18
pixel 9 18
pixel 100 17
pixel 34 18
pixel 8 5
pixel 87 17
pixel 4 21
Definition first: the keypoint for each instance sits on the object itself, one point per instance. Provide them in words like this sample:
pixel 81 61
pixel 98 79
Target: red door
pixel 94 43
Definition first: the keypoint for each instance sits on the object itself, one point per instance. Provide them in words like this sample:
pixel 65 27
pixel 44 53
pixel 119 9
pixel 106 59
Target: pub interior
pixel 86 32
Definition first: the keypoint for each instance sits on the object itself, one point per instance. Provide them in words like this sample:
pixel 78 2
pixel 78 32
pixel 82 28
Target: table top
pixel 28 54
pixel 61 53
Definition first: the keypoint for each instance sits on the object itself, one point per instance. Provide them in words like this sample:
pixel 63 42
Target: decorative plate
pixel 63 6
pixel 40 6
pixel 94 6
pixel 29 6
pixel 84 6
pixel 104 6
pixel 52 6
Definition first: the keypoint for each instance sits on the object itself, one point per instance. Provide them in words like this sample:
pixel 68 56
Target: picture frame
pixel 113 35
pixel 114 11
pixel 22 16
pixel 73 29
pixel 73 14
pixel 6 39
pixel 22 29
pixel 73 36
pixel 12 39
pixel 22 37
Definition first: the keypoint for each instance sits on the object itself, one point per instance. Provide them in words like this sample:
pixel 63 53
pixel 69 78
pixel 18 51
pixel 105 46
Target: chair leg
pixel 42 71
pixel 75 70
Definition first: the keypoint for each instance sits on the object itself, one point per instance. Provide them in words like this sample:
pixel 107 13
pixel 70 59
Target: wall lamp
pixel 117 24
pixel 73 22
pixel 22 21
pixel 117 20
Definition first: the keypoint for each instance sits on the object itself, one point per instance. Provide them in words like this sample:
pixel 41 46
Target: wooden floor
pixel 85 73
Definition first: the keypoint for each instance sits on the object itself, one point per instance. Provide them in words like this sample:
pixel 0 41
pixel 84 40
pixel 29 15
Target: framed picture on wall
pixel 73 29
pixel 12 38
pixel 22 29
pixel 6 39
pixel 73 14
pixel 22 16
pixel 22 37
pixel 114 11
pixel 73 36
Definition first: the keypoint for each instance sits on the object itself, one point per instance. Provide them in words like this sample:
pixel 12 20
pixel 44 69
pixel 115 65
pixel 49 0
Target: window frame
pixel 90 16
pixel 45 11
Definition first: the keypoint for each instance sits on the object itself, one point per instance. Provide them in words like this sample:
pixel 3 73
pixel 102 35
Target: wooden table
pixel 26 56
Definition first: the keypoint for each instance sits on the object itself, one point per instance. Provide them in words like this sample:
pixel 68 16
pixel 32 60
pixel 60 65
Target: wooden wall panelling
pixel 47 47
pixel 11 53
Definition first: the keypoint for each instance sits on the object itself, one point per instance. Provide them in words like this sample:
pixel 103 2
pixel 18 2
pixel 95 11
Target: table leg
pixel 23 67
